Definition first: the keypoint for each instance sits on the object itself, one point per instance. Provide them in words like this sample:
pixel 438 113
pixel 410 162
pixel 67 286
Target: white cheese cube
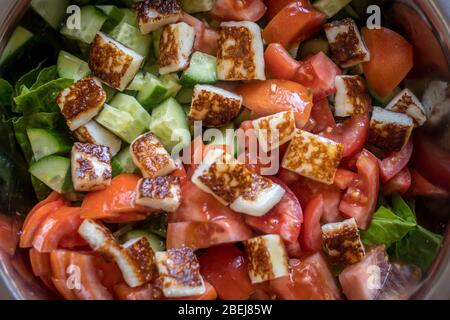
pixel 150 156
pixel 94 133
pixel 81 102
pixel 266 258
pixel 313 156
pixel 214 106
pixel 91 167
pixel 346 43
pixel 275 130
pixel 241 52
pixel 153 14
pixel 112 62
pixel 175 47
pixel 351 96
pixel 180 273
pixel 161 193
pixel 389 131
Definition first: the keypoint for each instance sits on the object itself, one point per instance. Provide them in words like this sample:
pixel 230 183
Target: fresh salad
pixel 227 149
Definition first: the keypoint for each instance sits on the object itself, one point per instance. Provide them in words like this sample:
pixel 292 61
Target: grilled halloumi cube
pixel 214 106
pixel 180 273
pixel 160 193
pixel 241 53
pixel 345 43
pixel 313 156
pixel 406 102
pixel 389 131
pixel 91 167
pixel 112 62
pixel 351 96
pixel 231 183
pixel 94 133
pixel 153 14
pixel 136 259
pixel 275 130
pixel 81 102
pixel 266 258
pixel 150 156
pixel 175 47
pixel 342 242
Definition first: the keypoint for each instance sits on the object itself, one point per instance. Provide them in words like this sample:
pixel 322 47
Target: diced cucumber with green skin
pixel 45 142
pixel 185 95
pixel 171 83
pixel 194 6
pixel 53 12
pixel 92 20
pixel 132 38
pixel 18 40
pixel 152 92
pixel 123 162
pixel 115 17
pixel 110 92
pixel 129 104
pixel 121 123
pixel 330 7
pixel 170 126
pixel 71 67
pixel 157 225
pixel 227 137
pixel 130 17
pixel 54 171
pixel 202 69
pixel 138 82
pixel 157 243
pixel 312 47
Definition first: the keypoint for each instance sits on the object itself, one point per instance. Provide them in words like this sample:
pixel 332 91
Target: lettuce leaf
pixel 28 79
pixel 403 209
pixel 45 75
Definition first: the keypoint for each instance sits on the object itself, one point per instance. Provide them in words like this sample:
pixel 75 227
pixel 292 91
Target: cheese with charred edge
pixel 91 167
pixel 266 258
pixel 313 156
pixel 150 156
pixel 351 96
pixel 346 43
pixel 342 242
pixel 275 130
pixel 81 102
pixel 389 131
pixel 161 193
pixel 180 273
pixel 214 106
pixel 175 47
pixel 94 133
pixel 112 62
pixel 153 14
pixel 231 183
pixel 406 102
pixel 241 53
pixel 135 259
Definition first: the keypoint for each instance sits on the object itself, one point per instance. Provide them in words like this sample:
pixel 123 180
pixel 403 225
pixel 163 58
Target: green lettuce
pixel 45 76
pixel 28 79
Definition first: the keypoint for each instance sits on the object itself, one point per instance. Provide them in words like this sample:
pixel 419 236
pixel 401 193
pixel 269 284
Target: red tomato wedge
pixel 310 279
pixel 72 241
pixel 352 133
pixel 275 6
pixel 127 218
pixel 272 96
pixel 395 162
pixel 109 272
pixel 293 23
pixel 35 219
pixel 60 223
pixel 391 59
pixel 421 187
pixel 206 39
pixel 344 178
pixel 400 183
pixel 288 177
pixel 51 197
pixel 210 294
pixel 124 292
pixel 311 234
pixel 9 234
pixel 40 264
pixel 111 202
pixel 284 219
pixel 224 267
pixel 238 10
pixel 361 198
pixel 321 117
pixel 60 260
pixel 279 62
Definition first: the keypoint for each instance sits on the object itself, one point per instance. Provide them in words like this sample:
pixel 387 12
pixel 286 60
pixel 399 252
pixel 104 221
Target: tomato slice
pixel 395 162
pixel 206 39
pixel 311 235
pixel 294 250
pixel 352 133
pixel 72 241
pixel 109 272
pixel 272 96
pixel 391 59
pixel 310 279
pixel 288 177
pixel 284 219
pixel 127 217
pixel 344 178
pixel 9 234
pixel 361 198
pixel 293 23
pixel 400 183
pixel 321 117
pixel 40 264
pixel 421 187
pixel 60 260
pixel 275 6
pixel 279 62
pixel 51 198
pixel 225 268
pixel 238 10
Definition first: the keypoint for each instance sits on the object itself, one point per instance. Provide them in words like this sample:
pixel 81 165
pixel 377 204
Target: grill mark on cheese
pixel 388 136
pixel 343 245
pixel 143 255
pixel 158 188
pixel 183 267
pixel 169 47
pixel 402 106
pixel 282 130
pixel 357 94
pixel 164 8
pixel 101 153
pixel 258 259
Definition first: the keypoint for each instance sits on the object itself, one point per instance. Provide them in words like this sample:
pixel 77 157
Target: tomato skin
pixel 40 264
pixel 60 260
pixel 344 178
pixel 238 10
pixel 206 39
pixel 394 163
pixel 421 187
pixel 124 292
pixel 361 198
pixel 274 6
pixel 352 133
pixel 279 62
pixel 400 183
pixel 225 268
pixel 9 234
pixel 311 234
pixel 321 117
pixel 389 64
